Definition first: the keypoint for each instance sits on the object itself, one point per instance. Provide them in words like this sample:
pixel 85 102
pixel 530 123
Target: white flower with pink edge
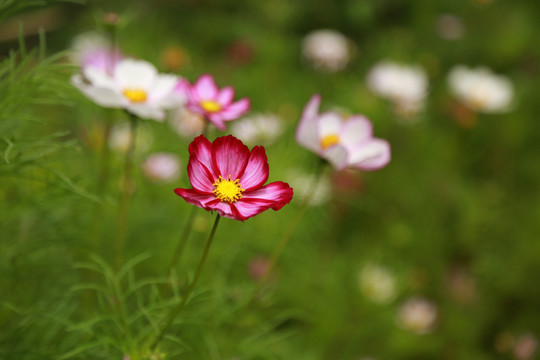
pixel 344 142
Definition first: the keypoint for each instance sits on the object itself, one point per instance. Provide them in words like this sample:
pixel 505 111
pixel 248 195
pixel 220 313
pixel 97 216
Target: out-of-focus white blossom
pixel 418 315
pixel 480 89
pixel 162 167
pixel 303 182
pixel 450 27
pixel 120 137
pixel 258 129
pixel 95 50
pixel 186 123
pixel 377 283
pixel 133 85
pixel 405 86
pixel 326 50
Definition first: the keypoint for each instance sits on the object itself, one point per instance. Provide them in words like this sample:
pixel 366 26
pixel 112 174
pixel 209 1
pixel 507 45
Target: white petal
pixel 355 130
pixel 162 86
pixel 135 74
pixel 147 112
pixel 306 133
pixel 371 156
pixel 164 94
pixel 337 156
pixel 98 77
pixel 102 96
pixel 330 123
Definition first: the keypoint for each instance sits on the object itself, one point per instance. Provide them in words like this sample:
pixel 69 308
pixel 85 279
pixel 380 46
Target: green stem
pixel 189 290
pixel 127 190
pixel 289 231
pixel 101 182
pixel 183 239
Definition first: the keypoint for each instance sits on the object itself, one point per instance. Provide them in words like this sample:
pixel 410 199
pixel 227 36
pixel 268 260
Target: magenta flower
pixel 206 99
pixel 228 178
pixel 343 142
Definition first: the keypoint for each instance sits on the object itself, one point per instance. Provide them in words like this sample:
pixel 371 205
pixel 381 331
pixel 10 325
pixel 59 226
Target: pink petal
pixel 229 157
pixel 225 209
pixel 195 198
pixel 183 87
pixel 217 120
pixel 272 196
pixel 202 149
pixel 225 96
pixel 307 132
pixel 200 176
pixel 256 172
pixel 206 87
pixel 372 155
pixel 236 109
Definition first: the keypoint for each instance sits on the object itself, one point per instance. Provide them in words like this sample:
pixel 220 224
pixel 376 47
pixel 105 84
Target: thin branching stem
pixel 189 225
pixel 127 190
pixel 183 239
pixel 191 287
pixel 289 231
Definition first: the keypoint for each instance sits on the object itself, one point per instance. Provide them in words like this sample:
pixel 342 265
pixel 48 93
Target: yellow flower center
pixel 329 141
pixel 135 95
pixel 210 106
pixel 228 190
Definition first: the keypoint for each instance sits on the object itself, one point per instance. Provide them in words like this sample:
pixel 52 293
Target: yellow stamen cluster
pixel 329 141
pixel 210 106
pixel 135 95
pixel 228 190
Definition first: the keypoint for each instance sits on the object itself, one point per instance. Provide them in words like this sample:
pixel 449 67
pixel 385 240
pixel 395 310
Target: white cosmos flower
pixel 162 167
pixel 377 283
pixel 418 315
pixel 93 49
pixel 405 86
pixel 258 128
pixel 326 49
pixel 344 142
pixel 480 89
pixel 135 85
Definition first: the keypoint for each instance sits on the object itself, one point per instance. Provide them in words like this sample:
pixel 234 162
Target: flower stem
pixel 289 231
pixel 101 182
pixel 183 239
pixel 127 191
pixel 189 290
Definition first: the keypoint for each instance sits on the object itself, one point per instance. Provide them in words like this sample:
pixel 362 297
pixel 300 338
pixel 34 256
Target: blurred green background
pixel 453 219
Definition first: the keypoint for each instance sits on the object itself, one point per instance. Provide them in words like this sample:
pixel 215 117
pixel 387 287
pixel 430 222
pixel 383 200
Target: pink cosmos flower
pixel 343 142
pixel 206 99
pixel 228 178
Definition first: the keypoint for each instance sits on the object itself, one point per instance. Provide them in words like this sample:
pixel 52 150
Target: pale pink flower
pixel 344 142
pixel 134 85
pixel 418 315
pixel 480 89
pixel 95 50
pixel 162 167
pixel 326 50
pixel 206 99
